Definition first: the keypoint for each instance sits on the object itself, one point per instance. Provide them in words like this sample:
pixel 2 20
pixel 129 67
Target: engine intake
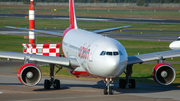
pixel 164 73
pixel 29 74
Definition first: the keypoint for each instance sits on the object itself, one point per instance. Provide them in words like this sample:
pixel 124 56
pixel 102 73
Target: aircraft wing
pixel 110 29
pixel 38 31
pixel 61 34
pixel 63 61
pixel 153 56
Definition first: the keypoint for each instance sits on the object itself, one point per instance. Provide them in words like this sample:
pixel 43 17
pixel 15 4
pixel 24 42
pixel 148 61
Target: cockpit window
pixel 120 53
pixel 178 39
pixel 108 53
pixel 111 53
pixel 115 53
pixel 103 53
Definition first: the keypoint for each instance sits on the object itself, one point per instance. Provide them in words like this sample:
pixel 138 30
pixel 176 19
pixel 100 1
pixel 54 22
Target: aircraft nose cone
pixel 173 46
pixel 113 65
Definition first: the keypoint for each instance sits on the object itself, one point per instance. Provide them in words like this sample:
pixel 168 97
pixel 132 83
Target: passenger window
pixel 102 53
pixel 108 53
pixel 115 53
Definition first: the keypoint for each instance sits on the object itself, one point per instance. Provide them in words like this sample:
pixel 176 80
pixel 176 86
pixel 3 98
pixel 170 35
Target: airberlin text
pixel 84 52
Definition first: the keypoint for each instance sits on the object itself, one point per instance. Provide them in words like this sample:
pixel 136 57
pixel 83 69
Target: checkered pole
pixel 31 22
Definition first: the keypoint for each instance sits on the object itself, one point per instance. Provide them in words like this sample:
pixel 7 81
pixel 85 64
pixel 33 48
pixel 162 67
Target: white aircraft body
pixel 90 54
pixel 175 44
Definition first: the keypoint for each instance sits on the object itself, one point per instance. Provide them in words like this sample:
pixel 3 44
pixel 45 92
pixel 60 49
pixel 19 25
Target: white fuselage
pixel 175 45
pixel 98 55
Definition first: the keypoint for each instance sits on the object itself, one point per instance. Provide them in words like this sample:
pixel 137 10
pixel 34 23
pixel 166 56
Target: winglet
pixel 73 23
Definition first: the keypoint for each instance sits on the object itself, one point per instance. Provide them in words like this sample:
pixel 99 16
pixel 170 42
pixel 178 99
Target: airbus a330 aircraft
pixel 90 54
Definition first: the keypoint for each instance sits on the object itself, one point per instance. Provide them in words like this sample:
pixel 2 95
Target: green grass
pixel 148 14
pixel 142 47
pixel 128 12
pixel 151 33
pixel 62 73
pixel 62 24
pixel 14 43
pixel 89 12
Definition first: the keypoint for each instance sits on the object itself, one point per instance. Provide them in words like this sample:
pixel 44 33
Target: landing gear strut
pixel 108 88
pixel 52 82
pixel 130 82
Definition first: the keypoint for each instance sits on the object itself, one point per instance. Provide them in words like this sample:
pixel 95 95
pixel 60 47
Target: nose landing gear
pixel 108 88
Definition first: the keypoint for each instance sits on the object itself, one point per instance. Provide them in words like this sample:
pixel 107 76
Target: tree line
pixel 99 1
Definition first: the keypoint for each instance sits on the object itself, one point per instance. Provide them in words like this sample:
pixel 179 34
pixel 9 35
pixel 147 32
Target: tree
pixel 140 3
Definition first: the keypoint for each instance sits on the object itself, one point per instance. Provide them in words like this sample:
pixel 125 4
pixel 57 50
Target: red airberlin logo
pixel 84 52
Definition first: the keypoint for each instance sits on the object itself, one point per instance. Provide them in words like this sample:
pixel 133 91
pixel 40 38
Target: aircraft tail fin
pixel 72 14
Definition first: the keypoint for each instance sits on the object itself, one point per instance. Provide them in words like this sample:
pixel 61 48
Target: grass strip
pixel 63 24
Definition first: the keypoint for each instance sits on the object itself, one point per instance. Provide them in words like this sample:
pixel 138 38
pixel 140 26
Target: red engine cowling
pixel 164 73
pixel 29 74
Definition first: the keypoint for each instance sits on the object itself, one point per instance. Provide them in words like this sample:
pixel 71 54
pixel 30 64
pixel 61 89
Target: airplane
pixel 89 54
pixel 175 44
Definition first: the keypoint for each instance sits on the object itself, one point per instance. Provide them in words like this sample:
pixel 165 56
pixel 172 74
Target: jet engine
pixel 29 74
pixel 164 73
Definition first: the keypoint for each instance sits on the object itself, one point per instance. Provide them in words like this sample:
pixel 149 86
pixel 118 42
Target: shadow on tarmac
pixel 140 88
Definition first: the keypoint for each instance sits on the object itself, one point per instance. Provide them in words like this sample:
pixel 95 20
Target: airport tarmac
pixel 78 89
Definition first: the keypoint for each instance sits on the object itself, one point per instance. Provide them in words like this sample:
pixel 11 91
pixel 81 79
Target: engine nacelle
pixel 29 74
pixel 164 73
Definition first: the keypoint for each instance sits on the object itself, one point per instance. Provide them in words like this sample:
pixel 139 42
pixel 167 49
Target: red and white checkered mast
pixel 31 22
pixel 39 49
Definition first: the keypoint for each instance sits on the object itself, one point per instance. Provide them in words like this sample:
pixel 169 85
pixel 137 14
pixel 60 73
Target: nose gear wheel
pixel 108 89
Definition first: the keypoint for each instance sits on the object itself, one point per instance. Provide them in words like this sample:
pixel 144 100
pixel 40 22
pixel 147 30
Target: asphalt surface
pixel 118 36
pixel 132 20
pixel 78 89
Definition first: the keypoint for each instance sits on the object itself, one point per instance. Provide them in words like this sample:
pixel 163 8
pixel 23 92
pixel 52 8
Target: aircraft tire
pixel 47 84
pixel 111 90
pixel 132 83
pixel 105 91
pixel 56 84
pixel 122 83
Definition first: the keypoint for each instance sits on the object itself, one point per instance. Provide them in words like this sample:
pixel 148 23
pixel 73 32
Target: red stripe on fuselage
pixel 84 74
pixel 65 32
pixel 72 21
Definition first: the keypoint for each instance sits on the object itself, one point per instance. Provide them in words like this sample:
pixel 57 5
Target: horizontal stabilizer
pixel 110 29
pixel 38 31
